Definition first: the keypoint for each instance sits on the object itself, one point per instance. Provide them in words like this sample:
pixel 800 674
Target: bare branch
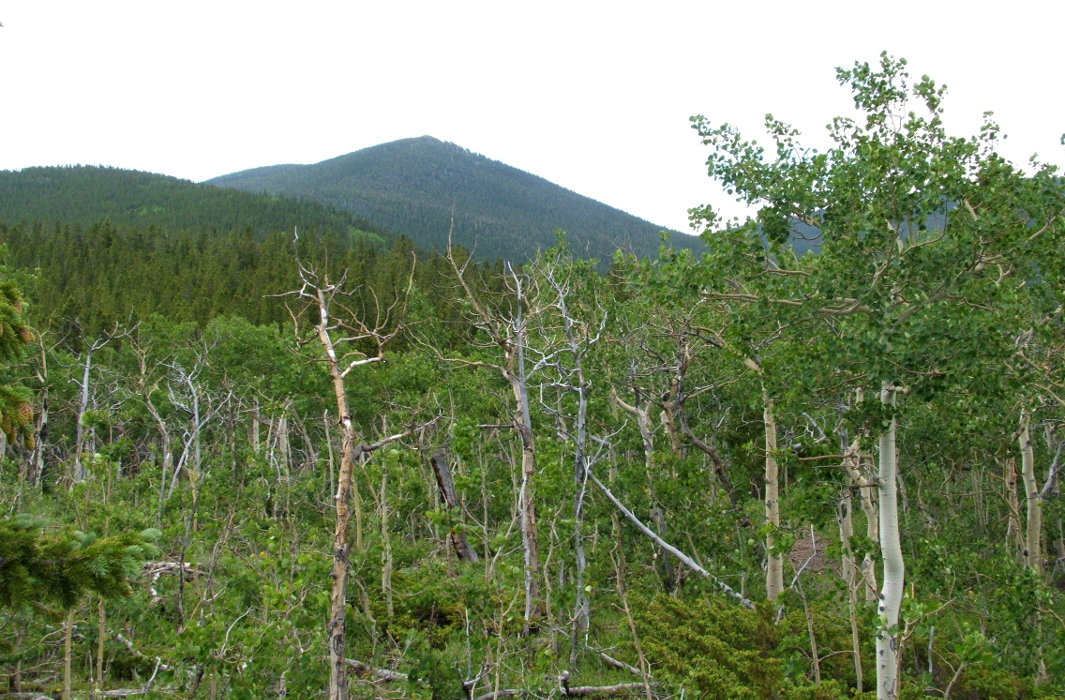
pixel 681 556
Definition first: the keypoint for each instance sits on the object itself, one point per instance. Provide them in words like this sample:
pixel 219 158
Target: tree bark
pixel 1014 530
pixel 338 677
pixel 83 406
pixel 515 373
pixel 850 576
pixel 774 573
pixel 1032 554
pixel 887 637
pixel 68 636
pixel 862 482
pixel 446 483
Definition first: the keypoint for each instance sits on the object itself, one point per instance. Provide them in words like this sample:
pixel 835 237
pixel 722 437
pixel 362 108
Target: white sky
pixel 594 96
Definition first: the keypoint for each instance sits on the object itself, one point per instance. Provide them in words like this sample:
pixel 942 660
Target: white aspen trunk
pixel 386 553
pixel 1014 530
pixel 527 504
pixel 284 443
pixel 861 480
pixel 577 348
pixel 35 465
pixel 774 570
pixel 526 495
pixel 582 606
pixel 850 575
pixel 197 459
pixel 83 405
pixel 1032 553
pixel 36 461
pixel 669 423
pixel 101 637
pixel 331 480
pixel 256 422
pixel 338 676
pixel 68 641
pixel 643 422
pixel 887 637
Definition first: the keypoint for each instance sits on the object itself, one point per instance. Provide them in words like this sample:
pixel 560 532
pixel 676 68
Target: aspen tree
pixel 916 234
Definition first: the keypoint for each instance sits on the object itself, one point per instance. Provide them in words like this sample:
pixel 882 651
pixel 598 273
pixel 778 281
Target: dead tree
pixel 566 364
pixel 349 340
pixel 96 345
pixel 509 333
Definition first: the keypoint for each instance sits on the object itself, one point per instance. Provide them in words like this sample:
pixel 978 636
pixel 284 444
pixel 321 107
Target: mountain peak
pixel 413 185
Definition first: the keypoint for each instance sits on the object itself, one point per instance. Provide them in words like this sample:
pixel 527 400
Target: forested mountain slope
pixel 412 186
pixel 86 195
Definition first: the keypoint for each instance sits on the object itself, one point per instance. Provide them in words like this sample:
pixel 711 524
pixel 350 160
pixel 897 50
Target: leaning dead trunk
pixel 446 483
pixel 887 637
pixel 667 547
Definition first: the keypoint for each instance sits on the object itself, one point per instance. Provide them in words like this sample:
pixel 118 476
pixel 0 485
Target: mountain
pixel 413 186
pixel 85 195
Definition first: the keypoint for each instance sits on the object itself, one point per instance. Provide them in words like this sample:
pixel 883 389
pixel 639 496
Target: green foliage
pixel 16 414
pixel 42 566
pixel 720 650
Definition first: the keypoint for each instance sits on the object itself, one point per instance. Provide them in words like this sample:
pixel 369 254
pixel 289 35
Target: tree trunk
pixel 387 561
pixel 887 637
pixel 35 465
pixel 526 496
pixel 338 677
pixel 862 482
pixel 1032 553
pixel 83 406
pixel 101 637
pixel 850 575
pixel 335 628
pixel 68 642
pixel 1014 530
pixel 446 483
pixel 774 570
pixel 527 510
pixel 582 604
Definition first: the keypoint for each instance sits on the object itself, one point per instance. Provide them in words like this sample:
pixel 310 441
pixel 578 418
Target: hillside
pixel 84 195
pixel 412 186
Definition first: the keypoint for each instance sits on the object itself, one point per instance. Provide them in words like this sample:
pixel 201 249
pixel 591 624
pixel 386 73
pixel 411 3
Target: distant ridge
pixel 85 195
pixel 412 186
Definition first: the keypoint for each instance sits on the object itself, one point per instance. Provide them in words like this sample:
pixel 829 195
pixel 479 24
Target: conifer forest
pixel 254 447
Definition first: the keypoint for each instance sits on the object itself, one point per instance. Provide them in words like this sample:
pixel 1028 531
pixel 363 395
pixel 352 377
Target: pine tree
pixel 16 414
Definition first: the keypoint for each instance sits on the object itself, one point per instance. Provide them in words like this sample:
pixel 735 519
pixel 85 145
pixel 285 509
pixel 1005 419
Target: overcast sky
pixel 594 96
